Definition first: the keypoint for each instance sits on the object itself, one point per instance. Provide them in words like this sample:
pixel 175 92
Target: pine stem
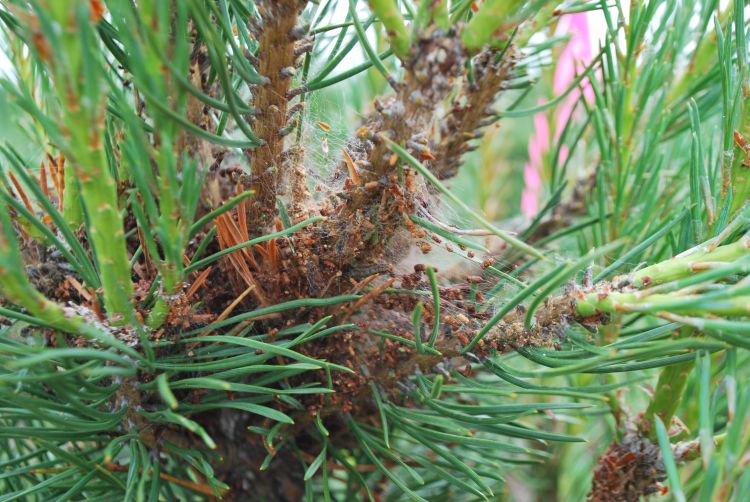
pixel 79 84
pixel 433 11
pixel 490 18
pixel 389 14
pixel 690 264
pixel 593 303
pixel 71 209
pixel 277 65
pixel 99 192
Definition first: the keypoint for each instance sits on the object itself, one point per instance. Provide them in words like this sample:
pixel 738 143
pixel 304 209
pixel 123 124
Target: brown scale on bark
pixel 337 256
pixel 296 174
pixel 277 63
pixel 407 118
pixel 471 111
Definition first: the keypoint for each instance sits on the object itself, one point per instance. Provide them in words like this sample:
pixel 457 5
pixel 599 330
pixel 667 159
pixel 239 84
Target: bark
pixel 277 62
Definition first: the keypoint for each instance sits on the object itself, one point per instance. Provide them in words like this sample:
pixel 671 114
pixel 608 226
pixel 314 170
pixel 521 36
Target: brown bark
pixel 276 56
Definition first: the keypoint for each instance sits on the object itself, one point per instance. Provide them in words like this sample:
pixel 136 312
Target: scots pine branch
pixel 277 40
pixel 212 290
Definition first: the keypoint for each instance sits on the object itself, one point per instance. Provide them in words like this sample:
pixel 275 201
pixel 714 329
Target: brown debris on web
pixel 390 362
pixel 380 191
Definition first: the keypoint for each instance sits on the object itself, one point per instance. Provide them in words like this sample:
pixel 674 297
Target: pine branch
pixel 491 70
pixel 176 323
pixel 277 64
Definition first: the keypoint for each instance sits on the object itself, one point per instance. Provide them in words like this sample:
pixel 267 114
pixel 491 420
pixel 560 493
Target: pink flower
pixel 573 59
